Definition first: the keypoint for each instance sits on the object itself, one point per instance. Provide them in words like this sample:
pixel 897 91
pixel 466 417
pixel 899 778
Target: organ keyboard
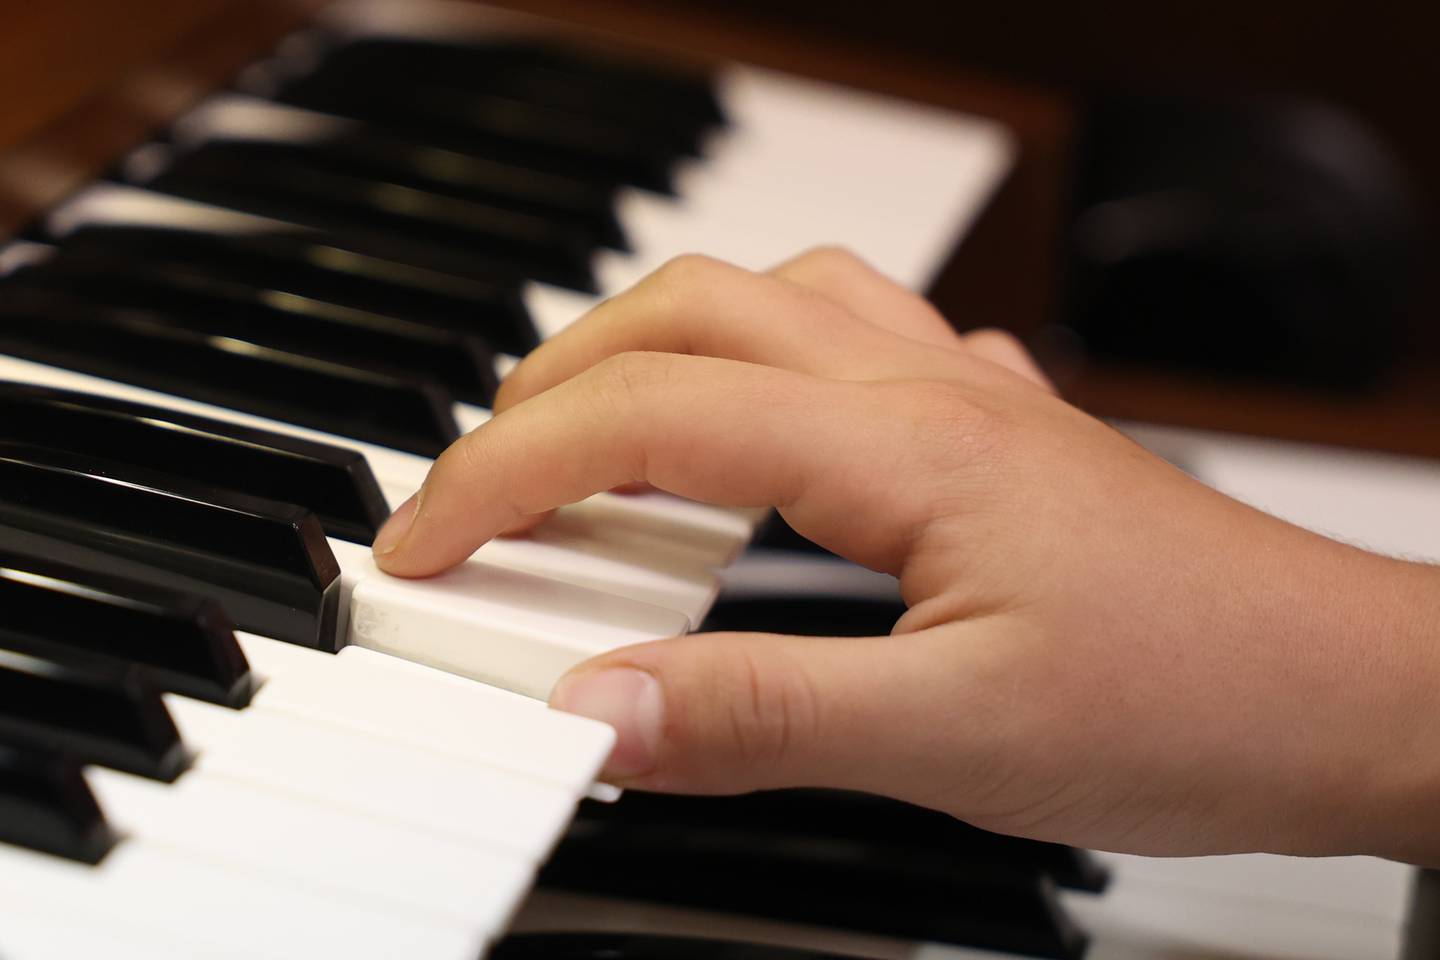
pixel 224 363
pixel 243 345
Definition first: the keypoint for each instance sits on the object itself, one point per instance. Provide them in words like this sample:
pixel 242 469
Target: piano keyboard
pixel 223 366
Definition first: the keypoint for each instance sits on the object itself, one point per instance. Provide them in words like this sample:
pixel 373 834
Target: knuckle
pixel 627 378
pixel 992 336
pixel 831 258
pixel 469 456
pixel 954 424
pixel 996 338
pixel 687 273
pixel 771 712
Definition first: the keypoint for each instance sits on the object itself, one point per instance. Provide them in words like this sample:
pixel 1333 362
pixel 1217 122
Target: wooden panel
pixel 98 77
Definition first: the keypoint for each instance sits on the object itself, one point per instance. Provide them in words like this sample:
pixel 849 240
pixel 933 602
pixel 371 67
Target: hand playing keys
pixel 1098 650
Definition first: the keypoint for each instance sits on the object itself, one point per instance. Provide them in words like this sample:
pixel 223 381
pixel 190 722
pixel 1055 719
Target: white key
pixel 140 886
pixel 1360 885
pixel 262 829
pixel 27 933
pixel 462 630
pixel 609 557
pixel 588 563
pixel 390 699
pixel 730 527
pixel 502 627
pixel 816 164
pixel 506 812
pixel 1134 920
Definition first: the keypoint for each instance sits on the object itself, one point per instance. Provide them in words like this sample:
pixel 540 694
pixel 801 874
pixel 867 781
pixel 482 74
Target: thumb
pixel 733 712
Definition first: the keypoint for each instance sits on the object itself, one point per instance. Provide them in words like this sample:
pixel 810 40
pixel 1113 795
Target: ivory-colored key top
pixel 346 769
pixel 292 837
pixel 143 886
pixel 502 627
pixel 405 703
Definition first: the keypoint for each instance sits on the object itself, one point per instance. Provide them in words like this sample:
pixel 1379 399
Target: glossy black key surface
pixel 46 805
pixel 362 151
pixel 314 267
pixel 184 643
pixel 112 718
pixel 759 859
pixel 638 946
pixel 848 817
pixel 665 107
pixel 511 131
pixel 429 229
pixel 268 563
pixel 142 349
pixel 334 483
pixel 289 322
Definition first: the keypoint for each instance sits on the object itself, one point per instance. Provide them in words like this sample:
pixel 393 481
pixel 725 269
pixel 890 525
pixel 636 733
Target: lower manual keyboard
pixel 357 804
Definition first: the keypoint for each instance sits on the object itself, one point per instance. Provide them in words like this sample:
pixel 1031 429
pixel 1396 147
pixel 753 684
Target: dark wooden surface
pixel 87 79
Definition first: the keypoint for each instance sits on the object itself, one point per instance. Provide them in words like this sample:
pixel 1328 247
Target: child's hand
pixel 1099 649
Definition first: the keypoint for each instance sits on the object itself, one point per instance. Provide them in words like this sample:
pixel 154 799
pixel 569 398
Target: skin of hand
pixel 1098 650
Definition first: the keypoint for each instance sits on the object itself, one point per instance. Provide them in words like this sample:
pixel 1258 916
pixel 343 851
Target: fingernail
pixel 396 527
pixel 629 700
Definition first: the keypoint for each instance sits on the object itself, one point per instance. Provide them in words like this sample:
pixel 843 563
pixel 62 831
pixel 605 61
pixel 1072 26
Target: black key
pixel 111 718
pixel 267 563
pixel 287 322
pixel 46 805
pixel 815 615
pixel 314 267
pixel 638 946
pixel 334 483
pixel 183 642
pixel 849 886
pixel 430 229
pixel 541 138
pixel 140 349
pixel 836 816
pixel 672 88
pixel 362 151
pixel 664 108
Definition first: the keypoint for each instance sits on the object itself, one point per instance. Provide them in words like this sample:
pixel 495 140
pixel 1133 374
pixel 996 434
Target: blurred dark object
pixel 1271 239
pixel 638 946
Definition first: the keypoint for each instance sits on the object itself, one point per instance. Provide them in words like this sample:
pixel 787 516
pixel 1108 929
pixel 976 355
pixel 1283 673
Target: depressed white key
pixel 501 627
pixel 383 697
pixel 266 830
pixel 507 812
pixel 143 887
pixel 603 557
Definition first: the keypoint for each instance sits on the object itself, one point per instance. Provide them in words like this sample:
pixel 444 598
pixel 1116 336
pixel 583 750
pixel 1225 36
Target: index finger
pixel 718 431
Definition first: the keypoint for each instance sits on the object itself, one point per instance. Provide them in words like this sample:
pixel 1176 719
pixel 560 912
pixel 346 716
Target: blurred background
pixel 1223 214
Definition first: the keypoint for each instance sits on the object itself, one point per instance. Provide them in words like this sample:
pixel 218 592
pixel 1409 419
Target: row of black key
pixel 119 551
pixel 389 280
pixel 124 524
pixel 830 858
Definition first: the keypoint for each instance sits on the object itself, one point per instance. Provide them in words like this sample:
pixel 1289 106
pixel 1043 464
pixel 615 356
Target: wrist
pixel 1403 820
pixel 1364 641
